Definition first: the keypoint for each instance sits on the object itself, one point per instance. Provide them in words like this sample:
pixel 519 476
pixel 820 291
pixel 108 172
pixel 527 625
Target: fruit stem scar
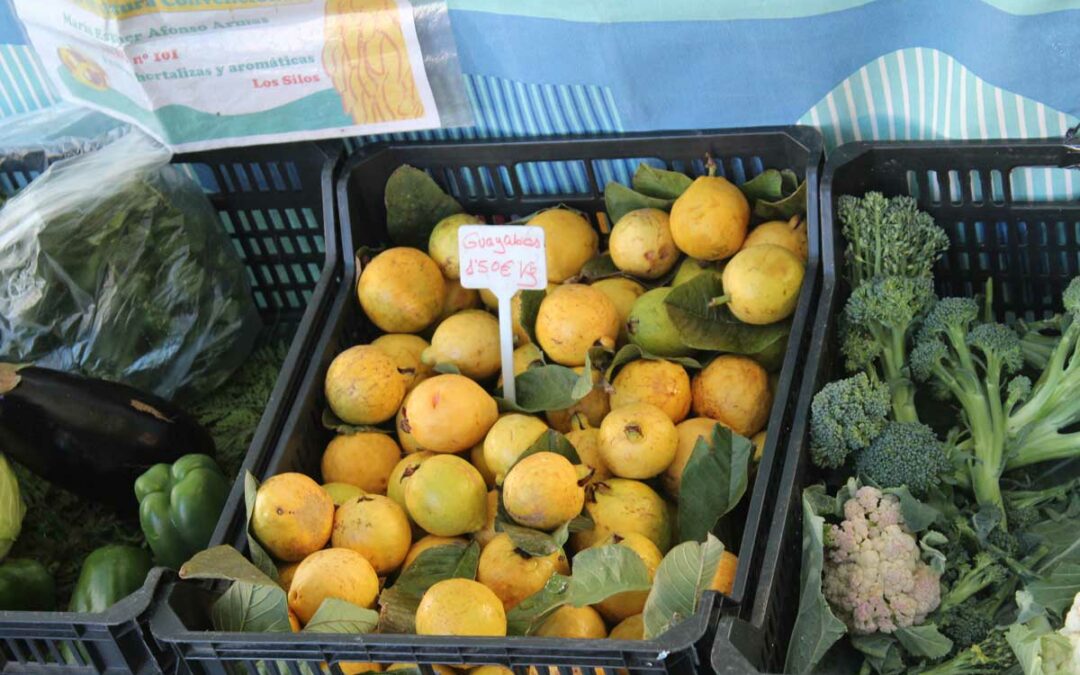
pixel 633 432
pixel 404 425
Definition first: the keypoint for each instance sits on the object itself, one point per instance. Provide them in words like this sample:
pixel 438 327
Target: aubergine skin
pixel 89 436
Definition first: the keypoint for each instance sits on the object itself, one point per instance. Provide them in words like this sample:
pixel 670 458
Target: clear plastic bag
pixel 113 264
pixel 61 130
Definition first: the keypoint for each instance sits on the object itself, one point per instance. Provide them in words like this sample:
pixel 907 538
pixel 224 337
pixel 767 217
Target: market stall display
pixel 450 409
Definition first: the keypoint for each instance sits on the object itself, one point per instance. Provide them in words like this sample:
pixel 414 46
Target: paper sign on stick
pixel 504 259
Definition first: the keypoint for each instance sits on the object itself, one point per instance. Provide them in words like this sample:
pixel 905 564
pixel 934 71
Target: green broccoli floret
pixel 1023 507
pixel 992 655
pixel 880 317
pixel 905 453
pixel 965 624
pixel 983 571
pixel 888 237
pixel 973 362
pixel 845 417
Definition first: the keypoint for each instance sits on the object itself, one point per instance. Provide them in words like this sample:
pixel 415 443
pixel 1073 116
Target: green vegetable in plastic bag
pixel 113 265
pixel 12 508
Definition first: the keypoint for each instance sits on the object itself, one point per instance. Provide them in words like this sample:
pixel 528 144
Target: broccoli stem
pixel 1057 386
pixel 894 363
pixel 1043 444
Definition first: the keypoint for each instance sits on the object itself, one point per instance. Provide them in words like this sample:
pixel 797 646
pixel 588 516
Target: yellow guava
pixel 586 441
pixel 292 516
pixel 375 527
pixel 448 413
pixel 402 290
pixel 638 440
pixel 651 328
pixel 443 242
pixel 734 390
pixel 632 628
pixel 570 242
pixel 460 607
pixel 542 491
pixel 762 284
pixel 458 299
pixel 641 244
pixel 363 385
pixel 664 384
pixel 791 235
pixel 514 576
pixel 468 340
pixel 622 606
pixel 583 623
pixel 403 471
pixel 689 432
pixel 332 573
pixel 623 292
pixel 573 318
pixel 406 350
pixel 595 405
pixel 511 435
pixel 363 459
pixel 447 496
pixel 621 506
pixel 709 219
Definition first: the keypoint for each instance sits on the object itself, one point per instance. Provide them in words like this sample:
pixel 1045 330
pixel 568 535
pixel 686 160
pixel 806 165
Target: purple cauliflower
pixel 874 577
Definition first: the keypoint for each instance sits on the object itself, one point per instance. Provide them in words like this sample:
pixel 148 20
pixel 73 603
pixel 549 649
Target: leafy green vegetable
pixel 620 200
pixel 713 481
pixel 116 266
pixel 530 308
pixel 660 183
pixel 924 640
pixel 816 627
pixel 398 603
pixel 703 326
pixel 414 206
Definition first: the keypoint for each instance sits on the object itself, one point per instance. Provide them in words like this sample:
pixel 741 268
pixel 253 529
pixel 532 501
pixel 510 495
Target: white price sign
pixel 504 259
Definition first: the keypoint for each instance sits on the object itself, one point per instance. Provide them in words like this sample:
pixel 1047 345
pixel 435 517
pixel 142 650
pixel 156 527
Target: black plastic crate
pixel 507 178
pixel 1030 250
pixel 276 204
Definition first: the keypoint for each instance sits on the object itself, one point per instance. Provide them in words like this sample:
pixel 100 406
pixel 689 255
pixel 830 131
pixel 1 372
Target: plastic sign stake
pixel 503 259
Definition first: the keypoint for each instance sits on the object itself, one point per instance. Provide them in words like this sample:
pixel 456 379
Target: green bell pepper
pixel 108 575
pixel 25 585
pixel 179 506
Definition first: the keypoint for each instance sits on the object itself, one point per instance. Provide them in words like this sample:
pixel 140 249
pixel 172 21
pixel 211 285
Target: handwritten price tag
pixel 505 259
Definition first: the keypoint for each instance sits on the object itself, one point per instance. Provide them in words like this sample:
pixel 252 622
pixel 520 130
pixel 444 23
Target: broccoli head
pixel 965 624
pixel 980 573
pixel 999 347
pixel 845 417
pixel 905 453
pixel 874 577
pixel 888 237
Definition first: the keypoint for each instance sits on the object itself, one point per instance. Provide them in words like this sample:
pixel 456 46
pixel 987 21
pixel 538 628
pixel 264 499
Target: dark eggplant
pixel 91 437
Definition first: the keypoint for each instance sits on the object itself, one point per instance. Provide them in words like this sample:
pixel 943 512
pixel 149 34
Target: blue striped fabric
pixel 23 85
pixel 925 94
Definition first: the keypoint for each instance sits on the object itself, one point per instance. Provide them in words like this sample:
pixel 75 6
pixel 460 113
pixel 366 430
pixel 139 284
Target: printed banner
pixel 200 74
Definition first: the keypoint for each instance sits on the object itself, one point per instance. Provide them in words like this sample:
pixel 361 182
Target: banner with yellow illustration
pixel 200 74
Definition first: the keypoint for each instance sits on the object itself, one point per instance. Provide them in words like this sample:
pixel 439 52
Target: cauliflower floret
pixel 1071 630
pixel 874 577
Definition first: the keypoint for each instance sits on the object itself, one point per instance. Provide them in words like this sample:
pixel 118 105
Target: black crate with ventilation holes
pixel 276 204
pixel 980 193
pixel 502 180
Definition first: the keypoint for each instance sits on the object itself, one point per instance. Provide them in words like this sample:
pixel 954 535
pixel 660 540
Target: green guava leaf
pixel 620 200
pixel 339 616
pixel 254 608
pixel 414 205
pixel 713 481
pixel 629 353
pixel 789 182
pixel 702 326
pixel 783 209
pixel 683 575
pixel 398 603
pixel 530 308
pixel 603 571
pixel 543 388
pixel 660 183
pixel 816 627
pixel 550 441
pixel 600 267
pixel 532 542
pixel 767 185
pixel 531 612
pixel 225 563
pixel 258 554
